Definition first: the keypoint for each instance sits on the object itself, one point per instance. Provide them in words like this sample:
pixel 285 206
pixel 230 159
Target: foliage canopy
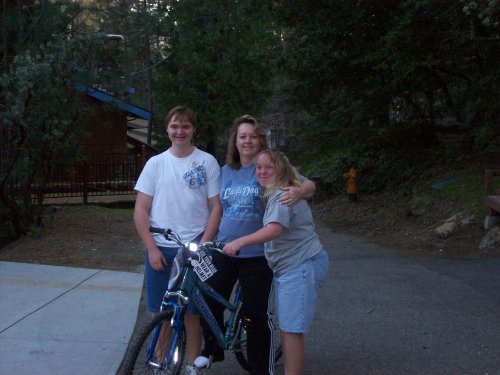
pixel 387 86
pixel 391 85
pixel 43 117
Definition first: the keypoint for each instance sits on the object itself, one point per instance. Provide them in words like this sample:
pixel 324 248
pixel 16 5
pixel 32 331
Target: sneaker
pixel 193 370
pixel 203 362
pixel 212 356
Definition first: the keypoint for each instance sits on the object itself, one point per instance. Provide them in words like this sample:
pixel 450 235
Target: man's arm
pixel 214 217
pixel 142 210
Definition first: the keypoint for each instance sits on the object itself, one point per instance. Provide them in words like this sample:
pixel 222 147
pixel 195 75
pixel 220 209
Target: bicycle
pixel 160 350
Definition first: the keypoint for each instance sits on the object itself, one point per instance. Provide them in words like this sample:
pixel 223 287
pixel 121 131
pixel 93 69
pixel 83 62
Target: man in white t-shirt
pixel 179 190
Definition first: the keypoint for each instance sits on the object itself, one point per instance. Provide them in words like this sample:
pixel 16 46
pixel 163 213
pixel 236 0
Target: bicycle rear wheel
pixel 147 351
pixel 241 353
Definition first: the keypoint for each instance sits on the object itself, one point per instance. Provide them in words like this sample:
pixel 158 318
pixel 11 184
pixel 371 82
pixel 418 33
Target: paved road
pixel 381 313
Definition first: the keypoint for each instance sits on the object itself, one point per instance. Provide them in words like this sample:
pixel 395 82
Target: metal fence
pixel 99 175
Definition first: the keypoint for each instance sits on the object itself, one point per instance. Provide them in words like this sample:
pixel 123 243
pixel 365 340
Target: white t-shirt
pixel 180 188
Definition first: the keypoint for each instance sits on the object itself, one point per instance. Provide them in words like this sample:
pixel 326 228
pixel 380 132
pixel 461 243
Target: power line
pixel 152 66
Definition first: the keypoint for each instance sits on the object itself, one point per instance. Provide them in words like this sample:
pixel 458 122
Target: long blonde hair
pixel 286 174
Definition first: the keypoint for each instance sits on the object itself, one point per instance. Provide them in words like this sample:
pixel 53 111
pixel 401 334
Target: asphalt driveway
pixel 381 313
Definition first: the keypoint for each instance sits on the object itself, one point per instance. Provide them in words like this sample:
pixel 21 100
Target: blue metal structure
pixel 108 98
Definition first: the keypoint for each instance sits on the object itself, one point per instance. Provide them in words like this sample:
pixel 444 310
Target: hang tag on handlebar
pixel 203 266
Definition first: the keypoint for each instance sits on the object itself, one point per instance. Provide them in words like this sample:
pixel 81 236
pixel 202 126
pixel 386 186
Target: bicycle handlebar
pixel 217 245
pixel 165 232
pixel 172 236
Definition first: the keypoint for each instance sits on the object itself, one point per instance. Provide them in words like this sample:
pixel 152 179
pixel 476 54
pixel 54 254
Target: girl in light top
pixel 294 253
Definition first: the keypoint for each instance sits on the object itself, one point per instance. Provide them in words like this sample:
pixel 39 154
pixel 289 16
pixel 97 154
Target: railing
pixel 99 175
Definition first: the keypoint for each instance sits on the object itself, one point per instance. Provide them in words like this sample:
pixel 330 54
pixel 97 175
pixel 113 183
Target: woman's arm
pixel 266 234
pixel 293 194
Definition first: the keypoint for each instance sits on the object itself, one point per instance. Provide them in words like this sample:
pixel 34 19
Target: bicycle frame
pixel 189 287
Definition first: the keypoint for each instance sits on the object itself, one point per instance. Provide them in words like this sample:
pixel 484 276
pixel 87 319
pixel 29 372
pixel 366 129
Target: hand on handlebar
pixel 231 248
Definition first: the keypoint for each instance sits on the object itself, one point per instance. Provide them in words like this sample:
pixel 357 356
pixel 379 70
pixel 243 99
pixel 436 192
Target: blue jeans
pixel 296 293
pixel 157 281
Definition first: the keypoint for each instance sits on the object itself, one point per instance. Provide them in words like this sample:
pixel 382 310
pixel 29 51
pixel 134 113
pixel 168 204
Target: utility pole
pixel 149 76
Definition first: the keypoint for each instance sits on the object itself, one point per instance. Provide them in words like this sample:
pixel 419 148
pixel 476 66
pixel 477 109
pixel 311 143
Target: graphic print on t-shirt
pixel 239 201
pixel 196 176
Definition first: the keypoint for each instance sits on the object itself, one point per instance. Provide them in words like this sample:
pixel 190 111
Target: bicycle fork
pixel 161 334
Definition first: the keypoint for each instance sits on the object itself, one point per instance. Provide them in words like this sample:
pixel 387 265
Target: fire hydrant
pixel 352 184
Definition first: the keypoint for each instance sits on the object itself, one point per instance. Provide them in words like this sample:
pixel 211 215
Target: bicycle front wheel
pixel 147 353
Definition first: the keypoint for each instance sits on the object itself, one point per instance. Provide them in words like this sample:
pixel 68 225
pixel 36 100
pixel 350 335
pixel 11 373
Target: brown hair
pixel 183 112
pixel 286 174
pixel 233 155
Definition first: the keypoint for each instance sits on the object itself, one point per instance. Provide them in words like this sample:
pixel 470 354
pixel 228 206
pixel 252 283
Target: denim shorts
pixel 296 292
pixel 157 281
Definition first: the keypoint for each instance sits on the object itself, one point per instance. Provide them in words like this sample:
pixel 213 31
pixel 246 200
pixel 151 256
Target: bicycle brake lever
pixel 220 245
